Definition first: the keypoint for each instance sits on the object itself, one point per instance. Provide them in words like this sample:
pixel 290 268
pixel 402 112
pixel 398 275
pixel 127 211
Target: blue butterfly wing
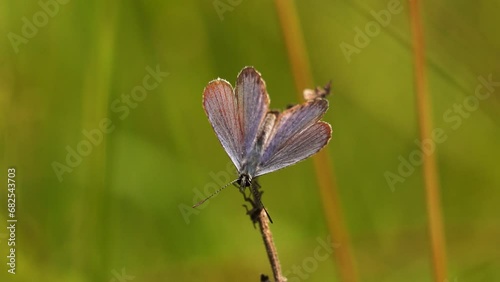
pixel 297 135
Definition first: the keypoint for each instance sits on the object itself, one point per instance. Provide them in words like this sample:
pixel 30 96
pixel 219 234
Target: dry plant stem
pixel 272 254
pixel 429 160
pixel 325 174
pixel 258 214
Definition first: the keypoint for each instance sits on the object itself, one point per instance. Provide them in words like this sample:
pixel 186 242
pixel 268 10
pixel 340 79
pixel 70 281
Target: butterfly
pixel 257 140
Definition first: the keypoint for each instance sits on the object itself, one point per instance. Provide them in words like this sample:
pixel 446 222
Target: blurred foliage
pixel 120 208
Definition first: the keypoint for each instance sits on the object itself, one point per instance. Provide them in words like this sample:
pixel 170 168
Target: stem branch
pixel 258 214
pixel 272 253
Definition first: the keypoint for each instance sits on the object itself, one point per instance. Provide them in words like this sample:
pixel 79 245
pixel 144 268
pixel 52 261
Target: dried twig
pixel 430 171
pixel 272 254
pixel 325 173
pixel 259 215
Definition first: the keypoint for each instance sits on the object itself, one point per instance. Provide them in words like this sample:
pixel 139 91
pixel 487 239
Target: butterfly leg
pixel 257 194
pixel 254 211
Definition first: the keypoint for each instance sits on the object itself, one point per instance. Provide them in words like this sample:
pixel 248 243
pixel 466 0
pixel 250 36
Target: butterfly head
pixel 244 180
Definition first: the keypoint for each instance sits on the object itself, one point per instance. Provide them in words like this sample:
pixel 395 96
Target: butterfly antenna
pixel 214 193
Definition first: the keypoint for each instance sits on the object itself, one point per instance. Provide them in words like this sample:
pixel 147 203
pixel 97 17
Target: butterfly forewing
pixel 221 107
pixel 298 148
pixel 253 104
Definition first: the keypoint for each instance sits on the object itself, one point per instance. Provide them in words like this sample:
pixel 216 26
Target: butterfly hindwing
pixel 297 134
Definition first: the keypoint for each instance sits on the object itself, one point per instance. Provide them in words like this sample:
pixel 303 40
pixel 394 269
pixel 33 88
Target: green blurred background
pixel 120 210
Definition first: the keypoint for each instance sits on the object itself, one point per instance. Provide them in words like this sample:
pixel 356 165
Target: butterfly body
pixel 244 180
